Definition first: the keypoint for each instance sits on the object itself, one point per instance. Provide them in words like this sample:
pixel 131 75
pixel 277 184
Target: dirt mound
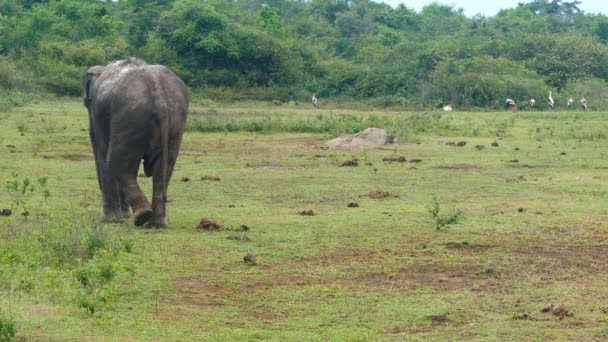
pixel 354 162
pixel 211 178
pixel 378 194
pixel 400 159
pixel 367 137
pixel 207 224
pixel 307 212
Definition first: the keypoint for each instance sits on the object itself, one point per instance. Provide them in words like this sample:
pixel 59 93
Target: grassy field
pixel 527 189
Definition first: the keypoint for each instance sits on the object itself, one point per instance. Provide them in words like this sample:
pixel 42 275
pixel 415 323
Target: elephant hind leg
pixel 125 165
pixel 142 211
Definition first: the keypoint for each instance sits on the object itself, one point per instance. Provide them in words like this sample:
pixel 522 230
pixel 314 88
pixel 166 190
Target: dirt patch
pixel 379 194
pixel 439 319
pixel 243 238
pixel 546 258
pixel 196 291
pixel 264 165
pixel 524 317
pixel 521 166
pixel 465 245
pixel 456 143
pixel 458 167
pixel 185 179
pixel 354 162
pixel 211 178
pixel 516 180
pixel 77 157
pixel 400 159
pixel 305 141
pixel 398 329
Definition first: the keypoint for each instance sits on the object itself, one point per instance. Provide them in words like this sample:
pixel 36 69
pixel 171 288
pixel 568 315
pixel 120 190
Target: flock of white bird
pixel 510 104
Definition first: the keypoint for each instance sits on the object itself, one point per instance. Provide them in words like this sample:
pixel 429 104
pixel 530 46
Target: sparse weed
pixel 128 245
pixel 442 220
pixel 22 189
pixel 366 153
pixel 95 239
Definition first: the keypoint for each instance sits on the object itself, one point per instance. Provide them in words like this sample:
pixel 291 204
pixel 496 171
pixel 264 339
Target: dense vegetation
pixel 286 49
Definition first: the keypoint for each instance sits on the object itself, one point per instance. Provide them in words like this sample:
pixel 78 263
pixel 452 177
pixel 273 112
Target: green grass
pixel 531 230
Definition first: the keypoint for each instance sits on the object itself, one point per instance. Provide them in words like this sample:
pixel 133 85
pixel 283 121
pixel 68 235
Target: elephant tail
pixel 164 139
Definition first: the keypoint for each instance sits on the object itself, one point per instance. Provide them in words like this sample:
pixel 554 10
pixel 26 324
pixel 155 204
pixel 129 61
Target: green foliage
pixel 269 20
pixel 11 78
pixel 8 327
pixel 95 240
pixel 442 220
pixel 11 98
pixel 349 49
pixel 482 82
pixel 22 190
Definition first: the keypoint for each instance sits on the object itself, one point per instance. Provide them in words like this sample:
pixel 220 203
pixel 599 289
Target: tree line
pixel 287 49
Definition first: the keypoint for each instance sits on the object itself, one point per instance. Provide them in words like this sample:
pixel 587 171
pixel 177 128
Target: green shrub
pixel 94 240
pixel 442 220
pixel 11 78
pixel 8 327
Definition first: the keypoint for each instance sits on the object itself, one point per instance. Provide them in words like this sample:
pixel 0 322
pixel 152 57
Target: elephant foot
pixel 142 217
pixel 158 223
pixel 110 218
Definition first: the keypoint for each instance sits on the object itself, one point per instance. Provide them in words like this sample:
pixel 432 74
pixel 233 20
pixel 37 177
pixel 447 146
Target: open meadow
pixel 487 219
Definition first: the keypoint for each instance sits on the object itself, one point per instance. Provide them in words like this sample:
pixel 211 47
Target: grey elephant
pixel 136 112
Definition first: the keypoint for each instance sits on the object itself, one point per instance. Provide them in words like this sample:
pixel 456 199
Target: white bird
pixel 570 102
pixel 584 103
pixel 447 108
pixel 550 101
pixel 510 104
pixel 532 103
pixel 315 102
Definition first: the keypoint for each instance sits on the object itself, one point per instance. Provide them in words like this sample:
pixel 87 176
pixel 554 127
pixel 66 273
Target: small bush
pixel 8 327
pixel 442 220
pixel 10 98
pixel 95 240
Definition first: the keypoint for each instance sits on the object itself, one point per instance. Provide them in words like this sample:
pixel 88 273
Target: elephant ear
pixel 92 74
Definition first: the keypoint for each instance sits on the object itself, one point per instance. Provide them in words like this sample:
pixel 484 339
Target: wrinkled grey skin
pixel 136 111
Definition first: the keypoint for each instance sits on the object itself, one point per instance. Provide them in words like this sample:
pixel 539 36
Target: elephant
pixel 136 112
